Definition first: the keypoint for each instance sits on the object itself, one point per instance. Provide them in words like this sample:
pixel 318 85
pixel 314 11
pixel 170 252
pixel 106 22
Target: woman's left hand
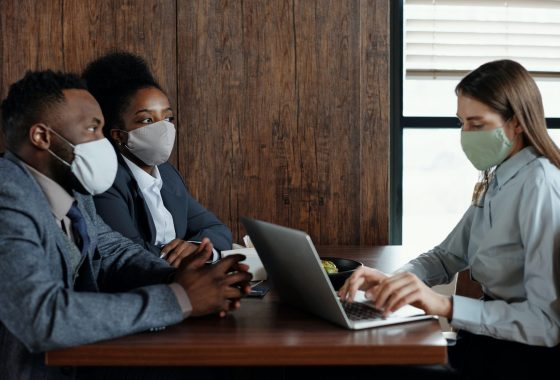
pixel 405 288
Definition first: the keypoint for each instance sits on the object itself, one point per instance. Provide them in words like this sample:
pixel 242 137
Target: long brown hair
pixel 506 87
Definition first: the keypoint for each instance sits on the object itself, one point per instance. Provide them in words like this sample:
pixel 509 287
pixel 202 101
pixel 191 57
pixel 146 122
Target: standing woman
pixel 148 202
pixel 509 238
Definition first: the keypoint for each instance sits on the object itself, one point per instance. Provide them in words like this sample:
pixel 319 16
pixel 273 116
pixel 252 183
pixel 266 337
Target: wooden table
pixel 266 332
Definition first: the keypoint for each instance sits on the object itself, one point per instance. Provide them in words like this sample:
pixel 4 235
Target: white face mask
pixel 153 143
pixel 94 165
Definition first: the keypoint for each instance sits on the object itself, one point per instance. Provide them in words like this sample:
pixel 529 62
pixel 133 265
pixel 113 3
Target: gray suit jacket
pixel 118 289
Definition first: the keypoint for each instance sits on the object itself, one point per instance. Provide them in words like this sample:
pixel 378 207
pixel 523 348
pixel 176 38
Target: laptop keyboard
pixel 357 311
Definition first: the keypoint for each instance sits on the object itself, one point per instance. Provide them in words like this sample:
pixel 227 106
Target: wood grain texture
pixel 328 45
pixel 30 39
pixel 265 334
pixel 280 109
pixel 211 80
pixel 374 122
pixel 282 106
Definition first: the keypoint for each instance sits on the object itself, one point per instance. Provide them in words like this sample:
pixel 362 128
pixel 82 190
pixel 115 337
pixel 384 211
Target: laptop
pixel 293 265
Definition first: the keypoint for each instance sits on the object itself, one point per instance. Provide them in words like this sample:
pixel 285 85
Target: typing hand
pixel 363 278
pixel 405 288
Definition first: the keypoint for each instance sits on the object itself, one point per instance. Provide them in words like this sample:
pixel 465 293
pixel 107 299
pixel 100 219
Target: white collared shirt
pixel 150 186
pixel 512 247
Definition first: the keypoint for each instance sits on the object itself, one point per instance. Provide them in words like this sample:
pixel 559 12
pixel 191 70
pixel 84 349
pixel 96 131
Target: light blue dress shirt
pixel 512 247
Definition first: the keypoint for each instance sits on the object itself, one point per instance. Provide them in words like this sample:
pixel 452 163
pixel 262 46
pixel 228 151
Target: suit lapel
pixel 172 202
pixel 66 248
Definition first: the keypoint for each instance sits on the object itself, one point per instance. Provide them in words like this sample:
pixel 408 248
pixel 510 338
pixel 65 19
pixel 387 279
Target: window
pixel 456 36
pixel 441 41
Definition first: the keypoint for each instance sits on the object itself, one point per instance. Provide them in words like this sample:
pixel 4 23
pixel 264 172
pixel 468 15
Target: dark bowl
pixel 345 269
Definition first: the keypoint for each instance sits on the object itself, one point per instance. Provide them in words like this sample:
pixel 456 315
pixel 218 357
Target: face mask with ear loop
pixel 485 149
pixel 153 143
pixel 94 165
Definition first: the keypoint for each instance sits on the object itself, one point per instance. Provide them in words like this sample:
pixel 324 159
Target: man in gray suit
pixel 65 277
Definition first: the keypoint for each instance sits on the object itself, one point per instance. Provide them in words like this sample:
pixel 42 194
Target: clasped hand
pixel 389 293
pixel 213 287
pixel 176 250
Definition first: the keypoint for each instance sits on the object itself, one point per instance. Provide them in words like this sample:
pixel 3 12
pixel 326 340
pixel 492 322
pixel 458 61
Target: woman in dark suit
pixel 149 202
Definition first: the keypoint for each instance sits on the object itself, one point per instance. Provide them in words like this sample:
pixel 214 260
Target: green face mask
pixel 485 149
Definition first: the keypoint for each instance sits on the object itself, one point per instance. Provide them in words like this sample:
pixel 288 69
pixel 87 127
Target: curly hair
pixel 113 79
pixel 30 97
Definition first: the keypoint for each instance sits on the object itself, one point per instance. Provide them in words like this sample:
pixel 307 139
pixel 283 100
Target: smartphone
pixel 259 289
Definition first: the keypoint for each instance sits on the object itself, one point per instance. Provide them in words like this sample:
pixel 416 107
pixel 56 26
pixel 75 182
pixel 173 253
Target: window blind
pixel 447 36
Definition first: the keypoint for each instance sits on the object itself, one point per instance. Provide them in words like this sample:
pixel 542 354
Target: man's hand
pixel 176 250
pixel 216 287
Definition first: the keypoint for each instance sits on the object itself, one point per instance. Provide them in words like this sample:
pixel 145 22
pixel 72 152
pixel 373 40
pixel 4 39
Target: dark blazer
pixel 124 209
pixel 117 289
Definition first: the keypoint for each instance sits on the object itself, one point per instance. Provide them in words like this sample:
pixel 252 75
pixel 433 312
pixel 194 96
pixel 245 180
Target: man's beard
pixel 76 185
pixel 65 178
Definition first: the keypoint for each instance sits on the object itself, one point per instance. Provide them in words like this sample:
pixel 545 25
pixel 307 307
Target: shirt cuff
pixel 182 298
pixel 467 314
pixel 215 254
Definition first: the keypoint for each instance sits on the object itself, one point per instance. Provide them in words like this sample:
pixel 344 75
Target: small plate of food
pixel 339 269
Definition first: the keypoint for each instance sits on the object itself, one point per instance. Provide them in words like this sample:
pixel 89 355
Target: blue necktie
pixel 79 228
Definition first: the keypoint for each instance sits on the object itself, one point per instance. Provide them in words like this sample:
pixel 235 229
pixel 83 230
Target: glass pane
pixel 437 185
pixel 555 134
pixel 429 90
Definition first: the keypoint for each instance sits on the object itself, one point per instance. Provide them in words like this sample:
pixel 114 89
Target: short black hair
pixel 113 79
pixel 29 97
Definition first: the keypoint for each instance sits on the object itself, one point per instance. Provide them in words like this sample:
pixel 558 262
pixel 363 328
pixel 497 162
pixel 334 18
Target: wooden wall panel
pixel 212 92
pixel 327 44
pixel 282 106
pixel 279 106
pixel 374 122
pixel 30 39
pixel 270 163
